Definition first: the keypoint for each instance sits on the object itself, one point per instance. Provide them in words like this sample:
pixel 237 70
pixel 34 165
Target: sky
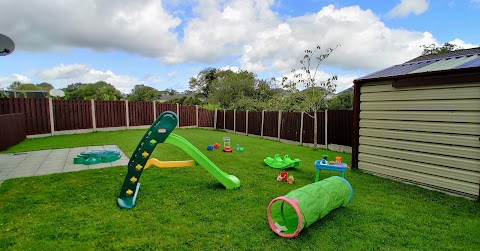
pixel 163 44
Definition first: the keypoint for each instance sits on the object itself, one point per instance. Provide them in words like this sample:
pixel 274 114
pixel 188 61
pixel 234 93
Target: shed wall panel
pixel 433 159
pixel 424 134
pixel 386 86
pixel 439 116
pixel 448 128
pixel 426 94
pixel 417 167
pixel 448 150
pixel 424 179
pixel 447 139
pixel 424 105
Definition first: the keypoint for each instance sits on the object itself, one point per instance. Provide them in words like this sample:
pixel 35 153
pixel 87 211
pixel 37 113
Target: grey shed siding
pixel 428 135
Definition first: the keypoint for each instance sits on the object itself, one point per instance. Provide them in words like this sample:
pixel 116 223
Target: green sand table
pixel 92 157
pixel 279 163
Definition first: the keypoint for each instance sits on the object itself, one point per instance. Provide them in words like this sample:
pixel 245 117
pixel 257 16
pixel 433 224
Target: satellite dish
pixel 6 45
pixel 56 93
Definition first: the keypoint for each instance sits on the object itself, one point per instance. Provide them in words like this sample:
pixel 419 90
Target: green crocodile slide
pixel 227 180
pixel 161 132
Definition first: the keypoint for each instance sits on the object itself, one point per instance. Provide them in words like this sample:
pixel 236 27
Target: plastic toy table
pixel 321 166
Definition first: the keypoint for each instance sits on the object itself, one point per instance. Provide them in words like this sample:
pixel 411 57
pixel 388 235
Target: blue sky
pixel 164 43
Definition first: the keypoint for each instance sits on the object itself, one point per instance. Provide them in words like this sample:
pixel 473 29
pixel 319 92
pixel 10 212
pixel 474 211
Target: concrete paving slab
pixel 50 161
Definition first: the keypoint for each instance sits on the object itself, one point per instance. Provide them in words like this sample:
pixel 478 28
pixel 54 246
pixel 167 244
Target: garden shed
pixel 419 122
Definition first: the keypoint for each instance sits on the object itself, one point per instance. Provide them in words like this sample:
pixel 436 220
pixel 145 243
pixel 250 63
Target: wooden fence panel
pixel 6 105
pixel 36 112
pixel 76 114
pixel 241 121
pixel 340 124
pixel 140 113
pixel 270 125
pixel 220 119
pixel 255 123
pixel 160 108
pixel 229 120
pixel 14 130
pixel 72 114
pixel 308 126
pixel 321 128
pixel 290 127
pixel 188 115
pixel 206 118
pixel 307 134
pixel 110 113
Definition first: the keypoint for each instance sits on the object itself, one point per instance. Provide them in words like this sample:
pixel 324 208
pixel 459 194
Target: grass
pixel 187 209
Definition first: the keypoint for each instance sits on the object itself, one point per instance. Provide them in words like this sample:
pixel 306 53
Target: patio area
pixel 24 164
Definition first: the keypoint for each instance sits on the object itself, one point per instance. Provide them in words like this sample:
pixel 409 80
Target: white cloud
pixel 63 75
pixel 232 68
pixel 366 43
pixel 221 29
pixel 5 81
pixel 245 30
pixel 172 74
pixel 343 81
pixel 154 79
pixel 407 7
pixel 462 44
pixel 142 27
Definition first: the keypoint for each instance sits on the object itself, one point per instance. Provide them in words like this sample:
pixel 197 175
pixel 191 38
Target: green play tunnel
pixel 289 214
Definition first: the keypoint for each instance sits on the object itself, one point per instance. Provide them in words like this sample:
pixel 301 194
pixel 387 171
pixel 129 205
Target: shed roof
pixel 459 59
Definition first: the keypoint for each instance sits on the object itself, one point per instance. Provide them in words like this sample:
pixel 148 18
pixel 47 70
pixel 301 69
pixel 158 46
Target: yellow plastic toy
pixel 290 179
pixel 169 164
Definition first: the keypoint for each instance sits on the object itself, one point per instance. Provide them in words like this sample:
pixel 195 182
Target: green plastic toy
pixel 300 208
pixel 279 163
pixel 161 132
pixel 93 157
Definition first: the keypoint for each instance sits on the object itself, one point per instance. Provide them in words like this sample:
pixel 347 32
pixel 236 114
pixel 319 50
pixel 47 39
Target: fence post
pixel 246 123
pixel 178 115
pixel 215 120
pixel 263 120
pixel 279 123
pixel 52 122
pixel 234 120
pixel 127 115
pixel 196 113
pixel 224 119
pixel 94 117
pixel 326 130
pixel 301 127
pixel 154 111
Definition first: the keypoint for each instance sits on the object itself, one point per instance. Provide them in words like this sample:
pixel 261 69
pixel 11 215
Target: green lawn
pixel 187 209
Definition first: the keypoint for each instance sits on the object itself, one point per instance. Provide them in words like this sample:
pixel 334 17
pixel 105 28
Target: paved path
pixel 14 165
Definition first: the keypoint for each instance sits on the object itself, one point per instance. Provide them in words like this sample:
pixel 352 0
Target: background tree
pixel 313 98
pixel 433 49
pixel 203 81
pixel 170 91
pixel 45 86
pixel 228 87
pixel 98 91
pixel 72 91
pixel 17 86
pixel 143 93
pixel 343 101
